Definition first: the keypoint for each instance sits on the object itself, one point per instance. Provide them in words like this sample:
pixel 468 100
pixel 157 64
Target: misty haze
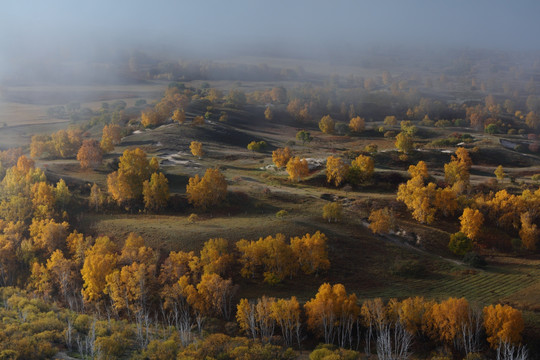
pixel 270 180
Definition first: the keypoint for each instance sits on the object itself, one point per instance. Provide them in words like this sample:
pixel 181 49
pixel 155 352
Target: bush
pixel 282 213
pixel 460 244
pixel 475 260
pixel 257 146
pixel 411 268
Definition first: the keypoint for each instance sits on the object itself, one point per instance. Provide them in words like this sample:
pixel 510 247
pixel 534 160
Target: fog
pixel 55 31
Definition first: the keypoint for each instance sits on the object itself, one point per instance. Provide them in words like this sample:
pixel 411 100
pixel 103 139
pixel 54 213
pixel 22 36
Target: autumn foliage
pixel 207 191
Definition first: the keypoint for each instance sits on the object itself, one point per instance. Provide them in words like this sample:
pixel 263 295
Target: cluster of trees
pixel 358 172
pixel 138 178
pixel 387 329
pixel 517 214
pixel 275 259
pixel 172 104
pixel 61 144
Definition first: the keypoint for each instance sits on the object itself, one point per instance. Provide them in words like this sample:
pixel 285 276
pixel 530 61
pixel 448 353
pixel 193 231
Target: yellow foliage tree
pixel 111 136
pixel 471 223
pixel 336 170
pixel 179 115
pixel 126 184
pixel 281 157
pixel 445 320
pixel 311 252
pixel 357 124
pixel 297 168
pixel 499 173
pixel 215 256
pixel 361 169
pixel 381 221
pixel 100 260
pixel 503 324
pixel 327 124
pixel 156 192
pixel 404 142
pixel 89 154
pixel 529 233
pixel 332 312
pixel 207 191
pixel 332 212
pixel 196 149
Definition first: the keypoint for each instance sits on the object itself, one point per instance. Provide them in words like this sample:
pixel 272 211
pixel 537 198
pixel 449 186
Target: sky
pixel 54 29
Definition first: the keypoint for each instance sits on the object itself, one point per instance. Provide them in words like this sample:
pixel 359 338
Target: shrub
pixel 475 260
pixel 411 268
pixel 460 244
pixel 282 213
pixel 257 146
pixel 193 218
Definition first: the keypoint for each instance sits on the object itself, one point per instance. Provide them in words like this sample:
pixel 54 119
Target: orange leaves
pixel 529 233
pixel 357 124
pixel 99 262
pixel 336 170
pixel 331 309
pixel 133 169
pixel 196 149
pixel 297 169
pixel 89 154
pixel 111 136
pixel 207 191
pixel 311 251
pixel 503 324
pixel 445 319
pixel 471 223
pixel 156 192
pixel 327 124
pixel 281 157
pixel 276 259
pixel 381 221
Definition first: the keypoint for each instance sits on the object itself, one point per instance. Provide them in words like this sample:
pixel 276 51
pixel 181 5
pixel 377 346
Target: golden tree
pixel 215 256
pixel 499 173
pixel 286 312
pixel 196 149
pixel 111 136
pixel 446 201
pixel 332 211
pixel 456 172
pixel 151 117
pixel 529 233
pixel 281 157
pixel 179 115
pixel 390 120
pixel 207 191
pixel 327 124
pixel 503 324
pixel 404 142
pixel 96 198
pixel 268 113
pixel 336 170
pixel 445 320
pixel 361 169
pixel 419 198
pixel 126 184
pixel 381 221
pixel 297 168
pixel 48 235
pixel 198 120
pixel 332 312
pixel 311 252
pixel 100 260
pixel 89 154
pixel 156 192
pixel 471 223
pixel 357 124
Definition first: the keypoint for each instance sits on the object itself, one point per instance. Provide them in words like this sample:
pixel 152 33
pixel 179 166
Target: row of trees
pixel 388 329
